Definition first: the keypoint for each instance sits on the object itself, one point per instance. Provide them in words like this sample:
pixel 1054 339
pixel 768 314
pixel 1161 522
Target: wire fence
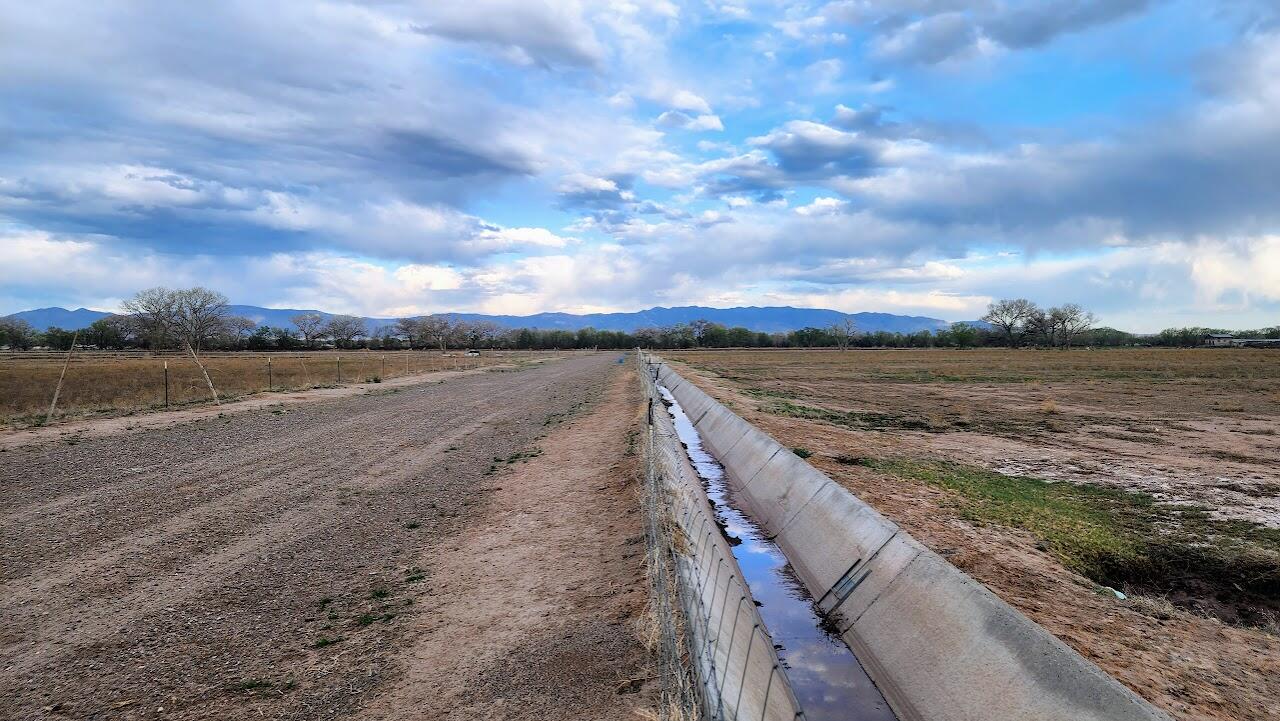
pixel 717 659
pixel 95 382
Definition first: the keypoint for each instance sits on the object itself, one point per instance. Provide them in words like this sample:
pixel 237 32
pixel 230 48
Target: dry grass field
pixel 99 382
pixel 1061 478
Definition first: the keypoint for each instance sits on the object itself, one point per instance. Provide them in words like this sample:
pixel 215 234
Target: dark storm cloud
pixel 436 155
pixel 933 31
pixel 1038 23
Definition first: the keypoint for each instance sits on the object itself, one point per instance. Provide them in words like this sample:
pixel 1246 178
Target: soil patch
pixel 536 609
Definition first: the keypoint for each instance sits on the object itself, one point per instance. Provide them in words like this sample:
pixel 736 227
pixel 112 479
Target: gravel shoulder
pixel 275 563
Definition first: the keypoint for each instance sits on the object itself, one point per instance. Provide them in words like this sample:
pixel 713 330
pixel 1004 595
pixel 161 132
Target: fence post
pixel 339 369
pixel 270 380
pixel 166 384
pixel 383 358
pixel 58 391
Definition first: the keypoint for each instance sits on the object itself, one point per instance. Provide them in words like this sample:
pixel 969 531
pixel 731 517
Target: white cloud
pixel 677 98
pixel 822 206
pixel 677 119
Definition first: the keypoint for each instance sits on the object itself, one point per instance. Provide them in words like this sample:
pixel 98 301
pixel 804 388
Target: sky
pixel 392 158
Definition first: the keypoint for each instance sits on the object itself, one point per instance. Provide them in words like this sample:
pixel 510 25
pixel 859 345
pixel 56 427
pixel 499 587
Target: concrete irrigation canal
pixel 828 680
pixel 895 631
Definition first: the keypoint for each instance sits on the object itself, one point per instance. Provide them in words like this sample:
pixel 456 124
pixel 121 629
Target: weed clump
pixel 857 420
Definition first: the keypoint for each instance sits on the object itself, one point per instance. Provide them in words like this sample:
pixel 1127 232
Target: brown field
pixel 103 382
pixel 1058 478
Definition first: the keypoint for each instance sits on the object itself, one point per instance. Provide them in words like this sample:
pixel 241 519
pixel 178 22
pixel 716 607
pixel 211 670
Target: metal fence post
pixel 166 384
pixel 270 380
pixel 339 369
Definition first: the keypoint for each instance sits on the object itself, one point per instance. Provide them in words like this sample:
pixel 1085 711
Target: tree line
pixel 197 319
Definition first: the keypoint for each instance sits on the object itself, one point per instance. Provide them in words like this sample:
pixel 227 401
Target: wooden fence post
pixel 166 384
pixel 339 369
pixel 270 380
pixel 58 391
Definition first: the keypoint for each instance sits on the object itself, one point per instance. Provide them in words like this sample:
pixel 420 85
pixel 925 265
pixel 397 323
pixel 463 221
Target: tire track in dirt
pixel 538 611
pixel 209 462
pixel 196 483
pixel 207 602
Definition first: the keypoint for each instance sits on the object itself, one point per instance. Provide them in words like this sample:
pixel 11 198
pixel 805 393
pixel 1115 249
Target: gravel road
pixel 269 564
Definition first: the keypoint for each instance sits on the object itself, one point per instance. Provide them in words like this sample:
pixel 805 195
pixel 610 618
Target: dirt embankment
pixel 1192 665
pixel 289 562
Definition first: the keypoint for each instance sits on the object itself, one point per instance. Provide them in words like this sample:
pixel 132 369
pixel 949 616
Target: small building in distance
pixel 1219 340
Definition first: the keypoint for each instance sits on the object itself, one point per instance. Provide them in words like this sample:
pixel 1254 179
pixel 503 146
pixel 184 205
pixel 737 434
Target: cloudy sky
pixel 516 156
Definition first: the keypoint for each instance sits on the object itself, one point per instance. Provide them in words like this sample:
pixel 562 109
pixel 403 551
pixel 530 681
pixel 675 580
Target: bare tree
pixel 844 331
pixel 482 333
pixel 437 330
pixel 410 329
pixel 16 333
pixel 200 315
pixel 699 330
pixel 1073 321
pixel 154 313
pixel 310 325
pixel 1042 325
pixel 239 327
pixel 648 336
pixel 344 329
pixel 1011 316
pixel 191 316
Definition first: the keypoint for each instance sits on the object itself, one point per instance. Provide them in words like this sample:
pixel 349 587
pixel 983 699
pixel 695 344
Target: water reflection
pixel 826 677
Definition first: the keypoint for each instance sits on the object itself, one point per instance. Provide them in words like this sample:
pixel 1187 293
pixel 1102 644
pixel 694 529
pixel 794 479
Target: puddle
pixel 826 677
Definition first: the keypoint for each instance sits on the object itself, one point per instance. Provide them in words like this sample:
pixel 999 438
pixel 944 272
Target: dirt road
pixel 316 561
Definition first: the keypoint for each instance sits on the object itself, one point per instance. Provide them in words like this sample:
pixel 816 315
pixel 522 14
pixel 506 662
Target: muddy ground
pixel 458 549
pixel 1184 426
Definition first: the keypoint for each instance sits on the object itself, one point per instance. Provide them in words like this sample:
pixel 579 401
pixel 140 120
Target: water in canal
pixel 825 675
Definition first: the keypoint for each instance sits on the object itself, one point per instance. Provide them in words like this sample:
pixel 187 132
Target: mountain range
pixel 770 319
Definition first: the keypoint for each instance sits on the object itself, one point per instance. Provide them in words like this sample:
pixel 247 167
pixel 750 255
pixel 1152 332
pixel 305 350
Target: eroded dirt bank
pixel 281 563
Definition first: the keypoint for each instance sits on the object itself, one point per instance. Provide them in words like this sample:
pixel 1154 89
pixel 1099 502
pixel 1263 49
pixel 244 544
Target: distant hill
pixel 45 318
pixel 772 319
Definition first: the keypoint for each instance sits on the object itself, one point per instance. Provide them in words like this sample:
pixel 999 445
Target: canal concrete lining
pixel 937 643
pixel 732 653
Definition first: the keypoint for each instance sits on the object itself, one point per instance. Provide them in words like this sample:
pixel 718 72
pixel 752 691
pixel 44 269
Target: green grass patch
pixel 1122 538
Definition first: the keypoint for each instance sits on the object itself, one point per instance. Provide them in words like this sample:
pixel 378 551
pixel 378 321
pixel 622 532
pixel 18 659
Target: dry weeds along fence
pixel 97 382
pixel 716 658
